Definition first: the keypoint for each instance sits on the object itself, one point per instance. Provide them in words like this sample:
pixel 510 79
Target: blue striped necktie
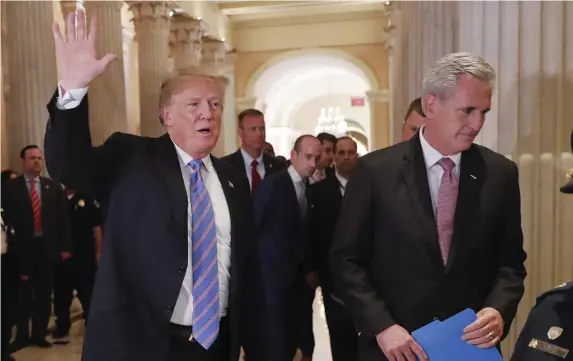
pixel 205 261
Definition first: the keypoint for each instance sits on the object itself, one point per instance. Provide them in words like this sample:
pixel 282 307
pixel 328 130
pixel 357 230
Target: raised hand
pixel 77 60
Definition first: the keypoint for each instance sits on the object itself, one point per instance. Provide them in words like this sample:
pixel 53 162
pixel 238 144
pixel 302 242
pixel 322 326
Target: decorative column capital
pixel 245 103
pixel 377 96
pixel 185 41
pixel 151 15
pixel 214 53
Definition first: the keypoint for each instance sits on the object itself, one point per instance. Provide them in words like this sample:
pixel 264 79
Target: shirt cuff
pixel 70 99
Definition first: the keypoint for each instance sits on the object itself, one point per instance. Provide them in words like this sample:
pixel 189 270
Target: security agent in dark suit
pixel 36 207
pixel 394 265
pixel 323 216
pixel 548 332
pixel 281 205
pixel 78 273
pixel 250 158
pixel 251 161
pixel 178 222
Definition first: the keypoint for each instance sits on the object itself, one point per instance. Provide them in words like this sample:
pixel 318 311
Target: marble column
pixel 229 131
pixel 107 93
pixel 30 56
pixel 186 35
pixel 379 104
pixel 425 31
pixel 530 46
pixel 152 25
pixel 214 53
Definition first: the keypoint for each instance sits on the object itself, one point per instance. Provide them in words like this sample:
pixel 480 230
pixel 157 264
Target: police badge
pixel 554 332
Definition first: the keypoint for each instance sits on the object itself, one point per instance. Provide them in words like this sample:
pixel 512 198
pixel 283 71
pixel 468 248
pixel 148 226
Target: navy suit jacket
pixel 281 230
pixel 146 233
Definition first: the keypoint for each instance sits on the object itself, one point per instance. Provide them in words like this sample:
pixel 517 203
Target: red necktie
pixel 36 207
pixel 255 176
pixel 447 198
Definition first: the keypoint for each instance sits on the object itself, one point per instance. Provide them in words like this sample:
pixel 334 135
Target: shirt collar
pixel 28 179
pixel 249 160
pixel 296 178
pixel 185 158
pixel 341 179
pixel 432 156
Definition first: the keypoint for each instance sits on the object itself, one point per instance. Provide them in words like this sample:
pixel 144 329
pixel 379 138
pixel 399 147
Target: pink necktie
pixel 447 198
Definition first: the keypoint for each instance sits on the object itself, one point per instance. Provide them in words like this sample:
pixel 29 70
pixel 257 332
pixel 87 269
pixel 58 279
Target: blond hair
pixel 176 83
pixel 443 76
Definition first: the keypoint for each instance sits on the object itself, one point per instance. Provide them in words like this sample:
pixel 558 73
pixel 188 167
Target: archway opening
pixel 293 89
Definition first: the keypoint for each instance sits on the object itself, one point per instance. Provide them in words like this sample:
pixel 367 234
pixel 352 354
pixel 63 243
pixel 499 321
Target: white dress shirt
pixel 299 186
pixel 435 171
pixel 260 166
pixel 342 181
pixel 183 312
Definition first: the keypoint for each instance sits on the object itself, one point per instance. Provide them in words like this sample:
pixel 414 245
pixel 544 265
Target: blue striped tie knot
pixel 205 261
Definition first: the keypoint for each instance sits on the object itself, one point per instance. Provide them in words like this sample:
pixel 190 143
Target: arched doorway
pixel 292 88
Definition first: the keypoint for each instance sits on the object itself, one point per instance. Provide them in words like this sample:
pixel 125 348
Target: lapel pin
pixel 473 176
pixel 231 184
pixel 47 186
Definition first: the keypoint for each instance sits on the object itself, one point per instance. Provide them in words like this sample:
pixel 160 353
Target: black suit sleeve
pixel 70 157
pixel 508 286
pixel 351 255
pixel 64 237
pixel 312 227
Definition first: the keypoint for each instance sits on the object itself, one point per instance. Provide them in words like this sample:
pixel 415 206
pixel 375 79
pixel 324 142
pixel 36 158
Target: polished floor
pixel 71 352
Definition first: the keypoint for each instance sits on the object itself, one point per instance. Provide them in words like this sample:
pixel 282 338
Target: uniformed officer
pixel 548 331
pixel 78 273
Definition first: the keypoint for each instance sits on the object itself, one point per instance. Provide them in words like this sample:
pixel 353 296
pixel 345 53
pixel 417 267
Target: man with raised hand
pixel 177 223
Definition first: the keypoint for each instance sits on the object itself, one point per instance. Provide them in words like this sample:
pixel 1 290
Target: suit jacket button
pixel 169 308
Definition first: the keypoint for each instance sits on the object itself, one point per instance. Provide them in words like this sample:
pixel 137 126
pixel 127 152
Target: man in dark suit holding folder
pixel 432 226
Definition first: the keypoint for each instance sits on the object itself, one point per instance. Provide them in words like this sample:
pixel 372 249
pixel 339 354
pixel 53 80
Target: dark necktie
pixel 255 176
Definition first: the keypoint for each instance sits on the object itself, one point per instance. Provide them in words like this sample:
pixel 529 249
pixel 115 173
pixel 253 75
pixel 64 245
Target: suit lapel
pixel 471 180
pixel 230 195
pixel 240 161
pixel 268 163
pixel 415 176
pixel 168 162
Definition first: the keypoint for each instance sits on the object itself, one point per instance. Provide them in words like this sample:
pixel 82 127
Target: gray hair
pixel 444 74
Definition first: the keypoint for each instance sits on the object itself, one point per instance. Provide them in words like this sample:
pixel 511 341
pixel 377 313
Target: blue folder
pixel 442 341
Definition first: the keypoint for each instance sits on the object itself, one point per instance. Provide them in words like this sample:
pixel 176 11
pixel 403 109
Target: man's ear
pixel 164 115
pixel 430 104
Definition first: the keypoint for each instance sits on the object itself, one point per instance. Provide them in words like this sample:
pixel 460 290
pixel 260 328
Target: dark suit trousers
pixel 343 334
pixel 35 300
pixel 76 273
pixel 35 294
pixel 181 349
pixel 289 314
pixel 9 298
